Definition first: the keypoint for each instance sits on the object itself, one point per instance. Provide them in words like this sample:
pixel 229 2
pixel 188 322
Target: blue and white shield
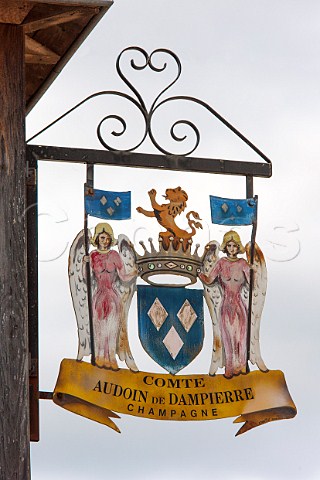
pixel 171 325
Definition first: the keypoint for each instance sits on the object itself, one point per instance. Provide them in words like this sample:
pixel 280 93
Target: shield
pixel 171 325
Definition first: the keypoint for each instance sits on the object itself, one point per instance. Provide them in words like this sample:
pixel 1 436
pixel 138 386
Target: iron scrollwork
pixel 137 100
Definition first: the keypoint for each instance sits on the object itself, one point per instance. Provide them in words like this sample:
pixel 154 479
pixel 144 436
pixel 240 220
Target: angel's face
pixel 104 241
pixel 232 249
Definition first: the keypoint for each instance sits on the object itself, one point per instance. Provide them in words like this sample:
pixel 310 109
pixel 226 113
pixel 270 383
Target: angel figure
pixel 113 283
pixel 226 282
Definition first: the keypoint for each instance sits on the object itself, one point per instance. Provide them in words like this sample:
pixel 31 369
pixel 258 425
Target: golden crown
pixel 170 261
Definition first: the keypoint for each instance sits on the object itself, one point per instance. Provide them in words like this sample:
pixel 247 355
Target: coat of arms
pixel 233 280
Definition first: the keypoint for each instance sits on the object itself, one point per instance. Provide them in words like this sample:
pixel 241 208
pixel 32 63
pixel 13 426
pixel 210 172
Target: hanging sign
pixel 170 316
pixel 172 280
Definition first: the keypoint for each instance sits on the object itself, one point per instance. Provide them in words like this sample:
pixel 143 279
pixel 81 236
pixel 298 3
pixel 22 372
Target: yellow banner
pixel 92 392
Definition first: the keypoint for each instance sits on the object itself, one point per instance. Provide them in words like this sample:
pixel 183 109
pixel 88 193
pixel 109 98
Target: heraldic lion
pixel 166 213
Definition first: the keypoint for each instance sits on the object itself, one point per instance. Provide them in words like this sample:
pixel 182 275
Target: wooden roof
pixel 54 29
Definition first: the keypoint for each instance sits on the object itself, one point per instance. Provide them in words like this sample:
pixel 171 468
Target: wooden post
pixel 14 390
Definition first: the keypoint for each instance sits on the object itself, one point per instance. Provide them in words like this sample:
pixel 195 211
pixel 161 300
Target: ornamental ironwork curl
pixel 136 99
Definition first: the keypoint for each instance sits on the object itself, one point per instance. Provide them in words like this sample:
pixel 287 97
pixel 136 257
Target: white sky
pixel 257 63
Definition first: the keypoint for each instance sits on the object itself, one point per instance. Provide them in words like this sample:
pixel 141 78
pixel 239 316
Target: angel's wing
pixel 258 297
pixel 126 291
pixel 78 288
pixel 213 295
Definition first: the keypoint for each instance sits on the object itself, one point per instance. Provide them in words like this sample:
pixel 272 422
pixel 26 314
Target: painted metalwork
pixel 166 214
pixel 226 211
pixel 113 278
pixel 227 284
pixel 107 205
pixel 171 325
pixel 109 279
pixel 104 271
pixel 174 255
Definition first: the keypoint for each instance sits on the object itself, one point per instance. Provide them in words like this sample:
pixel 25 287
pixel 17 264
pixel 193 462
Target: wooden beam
pixel 33 320
pixel 35 52
pixel 57 19
pixel 14 11
pixel 88 3
pixel 14 368
pixel 39 59
pixel 43 85
pixel 33 46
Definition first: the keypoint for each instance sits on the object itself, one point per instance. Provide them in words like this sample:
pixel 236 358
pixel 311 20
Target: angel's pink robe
pixel 232 275
pixel 106 304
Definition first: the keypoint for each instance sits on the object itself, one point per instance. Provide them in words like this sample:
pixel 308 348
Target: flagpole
pixel 88 187
pixel 251 280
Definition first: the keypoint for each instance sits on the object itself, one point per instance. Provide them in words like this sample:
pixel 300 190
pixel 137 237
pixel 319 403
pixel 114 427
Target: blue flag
pixel 108 205
pixel 230 211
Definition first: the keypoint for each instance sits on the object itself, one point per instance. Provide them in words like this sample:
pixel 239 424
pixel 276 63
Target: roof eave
pixel 105 5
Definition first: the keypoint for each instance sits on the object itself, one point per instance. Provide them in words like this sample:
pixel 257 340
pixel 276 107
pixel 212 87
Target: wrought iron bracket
pixel 166 160
pixel 146 160
pixel 148 113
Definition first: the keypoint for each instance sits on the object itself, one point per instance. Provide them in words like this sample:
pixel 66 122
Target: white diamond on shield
pixel 157 314
pixel 187 315
pixel 103 200
pixel 173 342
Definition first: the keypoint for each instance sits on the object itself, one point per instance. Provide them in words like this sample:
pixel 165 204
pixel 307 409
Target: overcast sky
pixel 257 63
